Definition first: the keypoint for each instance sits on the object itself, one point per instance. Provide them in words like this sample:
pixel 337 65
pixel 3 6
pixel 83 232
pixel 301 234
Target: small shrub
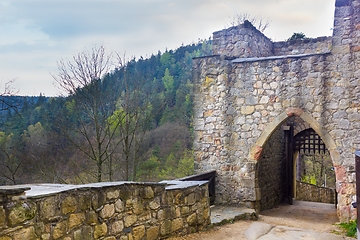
pixel 350 228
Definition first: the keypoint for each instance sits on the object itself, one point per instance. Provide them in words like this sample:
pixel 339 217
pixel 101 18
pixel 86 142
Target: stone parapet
pixel 124 210
pixel 303 46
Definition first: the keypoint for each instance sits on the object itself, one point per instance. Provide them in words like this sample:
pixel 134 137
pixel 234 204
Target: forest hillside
pixel 134 123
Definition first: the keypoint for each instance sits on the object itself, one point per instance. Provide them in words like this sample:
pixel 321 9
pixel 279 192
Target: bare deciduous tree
pixel 93 102
pixel 257 22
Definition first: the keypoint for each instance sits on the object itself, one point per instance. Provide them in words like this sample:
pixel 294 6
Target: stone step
pixel 225 214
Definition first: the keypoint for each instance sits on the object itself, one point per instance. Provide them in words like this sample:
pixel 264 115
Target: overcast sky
pixel 35 34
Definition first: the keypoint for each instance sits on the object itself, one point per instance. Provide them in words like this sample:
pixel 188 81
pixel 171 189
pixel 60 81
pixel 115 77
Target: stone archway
pixel 257 150
pixel 251 85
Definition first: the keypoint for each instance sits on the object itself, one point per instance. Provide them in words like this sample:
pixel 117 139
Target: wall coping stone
pixel 177 184
pixel 42 190
pixel 12 190
pixel 256 59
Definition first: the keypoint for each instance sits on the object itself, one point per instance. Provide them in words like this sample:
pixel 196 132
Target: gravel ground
pixel 303 215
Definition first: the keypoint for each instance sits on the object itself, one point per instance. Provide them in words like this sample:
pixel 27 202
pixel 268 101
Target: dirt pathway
pixel 304 215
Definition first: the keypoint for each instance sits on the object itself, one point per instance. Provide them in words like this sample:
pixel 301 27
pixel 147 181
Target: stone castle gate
pixel 252 87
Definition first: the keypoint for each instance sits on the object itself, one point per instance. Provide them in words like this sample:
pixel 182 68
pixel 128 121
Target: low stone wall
pixel 109 211
pixel 312 193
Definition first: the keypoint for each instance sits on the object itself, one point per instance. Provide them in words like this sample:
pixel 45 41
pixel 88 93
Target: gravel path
pixel 308 216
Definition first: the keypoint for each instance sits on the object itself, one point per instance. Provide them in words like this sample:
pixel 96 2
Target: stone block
pixel 119 206
pixel 152 233
pixel 130 220
pixel 116 227
pixel 100 230
pixel 138 232
pixel 69 205
pixel 48 208
pixel 21 212
pixel 190 199
pixel 85 201
pixel 165 228
pixel 2 216
pixel 155 204
pixel 91 218
pixel 110 238
pixel 25 233
pixel 76 219
pixel 86 232
pixel 176 224
pixel 148 192
pixel 138 207
pixel 112 194
pixel 5 238
pixel 247 110
pixel 107 211
pixel 59 230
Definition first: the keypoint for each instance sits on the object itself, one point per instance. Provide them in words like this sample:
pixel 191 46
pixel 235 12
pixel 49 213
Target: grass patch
pixel 350 228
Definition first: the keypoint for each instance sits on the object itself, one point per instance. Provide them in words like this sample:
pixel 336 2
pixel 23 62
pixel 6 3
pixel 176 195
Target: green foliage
pixel 350 228
pixel 148 170
pixel 152 93
pixel 297 36
pixel 168 81
pixel 311 179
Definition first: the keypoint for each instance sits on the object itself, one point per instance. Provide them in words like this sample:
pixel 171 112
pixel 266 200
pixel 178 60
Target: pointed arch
pixel 256 150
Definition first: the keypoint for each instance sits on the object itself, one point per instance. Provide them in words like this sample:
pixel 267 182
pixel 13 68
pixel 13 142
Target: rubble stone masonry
pixel 109 211
pixel 252 86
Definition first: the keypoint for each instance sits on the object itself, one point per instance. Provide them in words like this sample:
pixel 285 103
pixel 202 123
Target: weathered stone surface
pixel 91 217
pixel 107 211
pixel 155 204
pixel 5 238
pixel 21 212
pixel 59 230
pixel 86 232
pixel 76 219
pixel 68 205
pixel 148 193
pixel 119 206
pixel 112 194
pixel 152 233
pixel 25 234
pixel 117 227
pixel 138 232
pixel 130 220
pixel 100 230
pixel 176 224
pixel 314 81
pixel 165 228
pixel 48 207
pixel 191 220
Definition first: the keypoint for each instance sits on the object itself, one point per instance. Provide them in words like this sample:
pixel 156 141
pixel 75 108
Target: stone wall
pixel 271 171
pixel 243 40
pixel 240 102
pixel 303 46
pixel 103 211
pixel 313 193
